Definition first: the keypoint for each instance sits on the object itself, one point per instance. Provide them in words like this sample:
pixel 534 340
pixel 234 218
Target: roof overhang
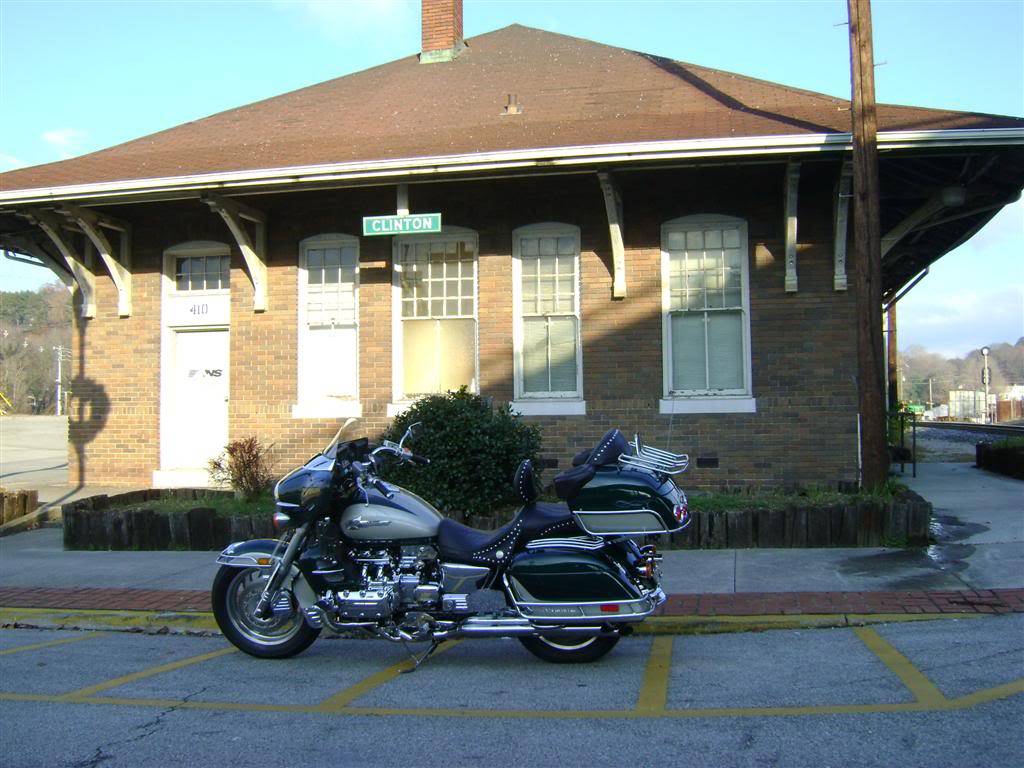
pixel 515 161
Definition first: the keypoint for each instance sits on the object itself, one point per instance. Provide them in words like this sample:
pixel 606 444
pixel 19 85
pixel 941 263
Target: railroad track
pixel 1010 430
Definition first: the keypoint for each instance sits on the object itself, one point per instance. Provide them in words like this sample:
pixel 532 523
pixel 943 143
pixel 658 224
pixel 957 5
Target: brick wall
pixel 442 24
pixel 803 344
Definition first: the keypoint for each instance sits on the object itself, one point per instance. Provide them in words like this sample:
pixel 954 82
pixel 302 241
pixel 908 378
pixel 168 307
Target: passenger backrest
pixel 525 482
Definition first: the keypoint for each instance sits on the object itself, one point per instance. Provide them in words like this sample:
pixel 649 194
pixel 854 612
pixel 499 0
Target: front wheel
pixel 236 591
pixel 569 649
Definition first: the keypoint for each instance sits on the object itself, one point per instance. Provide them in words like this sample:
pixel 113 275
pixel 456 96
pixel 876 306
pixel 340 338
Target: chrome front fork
pixel 280 569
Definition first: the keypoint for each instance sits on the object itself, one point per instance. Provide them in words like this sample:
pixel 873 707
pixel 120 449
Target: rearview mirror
pixel 411 432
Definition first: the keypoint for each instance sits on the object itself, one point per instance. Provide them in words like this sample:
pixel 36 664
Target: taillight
pixel 681 512
pixel 610 608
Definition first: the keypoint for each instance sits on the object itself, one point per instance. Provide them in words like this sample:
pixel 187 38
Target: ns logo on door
pixel 213 373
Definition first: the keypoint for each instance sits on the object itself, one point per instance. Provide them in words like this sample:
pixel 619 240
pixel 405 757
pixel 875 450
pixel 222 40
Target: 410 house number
pixel 198 310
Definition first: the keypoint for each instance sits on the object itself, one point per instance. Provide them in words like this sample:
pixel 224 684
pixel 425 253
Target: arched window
pixel 546 318
pixel 434 344
pixel 328 343
pixel 706 313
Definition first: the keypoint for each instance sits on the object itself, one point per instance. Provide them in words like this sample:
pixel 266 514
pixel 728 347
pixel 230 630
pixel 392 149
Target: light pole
pixel 985 380
pixel 60 352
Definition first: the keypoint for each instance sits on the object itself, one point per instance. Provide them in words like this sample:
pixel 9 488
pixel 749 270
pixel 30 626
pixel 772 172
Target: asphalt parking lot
pixel 931 693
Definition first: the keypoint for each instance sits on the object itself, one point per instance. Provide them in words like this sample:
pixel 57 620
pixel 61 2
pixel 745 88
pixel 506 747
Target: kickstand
pixel 418 660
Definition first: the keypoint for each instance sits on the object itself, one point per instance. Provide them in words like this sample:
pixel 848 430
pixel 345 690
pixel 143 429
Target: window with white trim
pixel 328 375
pixel 705 297
pixel 437 288
pixel 202 273
pixel 546 301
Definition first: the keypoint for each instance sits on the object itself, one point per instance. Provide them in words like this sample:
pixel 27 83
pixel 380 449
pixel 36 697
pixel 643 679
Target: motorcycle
pixel 358 553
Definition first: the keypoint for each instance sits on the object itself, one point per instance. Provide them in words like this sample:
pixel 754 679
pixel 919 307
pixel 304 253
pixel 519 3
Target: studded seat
pixel 462 544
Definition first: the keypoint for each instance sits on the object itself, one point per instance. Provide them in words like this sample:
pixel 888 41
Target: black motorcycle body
pixel 566 578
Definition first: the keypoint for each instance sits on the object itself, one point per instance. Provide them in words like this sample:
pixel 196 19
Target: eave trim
pixel 602 154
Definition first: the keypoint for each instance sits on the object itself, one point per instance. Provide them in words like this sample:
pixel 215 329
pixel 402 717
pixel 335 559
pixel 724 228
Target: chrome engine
pixel 391 583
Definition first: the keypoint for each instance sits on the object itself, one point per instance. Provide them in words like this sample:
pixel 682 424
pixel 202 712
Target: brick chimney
pixel 442 31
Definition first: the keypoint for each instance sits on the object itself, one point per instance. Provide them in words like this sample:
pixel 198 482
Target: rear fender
pixel 264 553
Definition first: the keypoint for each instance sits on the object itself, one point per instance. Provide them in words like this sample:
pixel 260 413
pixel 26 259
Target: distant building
pixel 969 405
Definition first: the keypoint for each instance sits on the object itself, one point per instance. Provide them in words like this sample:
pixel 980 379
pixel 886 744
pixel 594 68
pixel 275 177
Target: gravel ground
pixel 947 444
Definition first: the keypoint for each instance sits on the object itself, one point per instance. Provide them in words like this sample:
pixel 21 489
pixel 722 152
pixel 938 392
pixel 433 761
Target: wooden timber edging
pixel 99 523
pixel 16 504
pixel 902 521
pixel 122 521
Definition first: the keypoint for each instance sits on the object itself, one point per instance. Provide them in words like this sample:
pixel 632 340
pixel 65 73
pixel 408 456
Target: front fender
pixel 264 553
pixel 255 553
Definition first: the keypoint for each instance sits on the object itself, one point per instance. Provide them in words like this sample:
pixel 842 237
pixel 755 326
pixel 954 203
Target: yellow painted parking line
pixel 82 693
pixel 654 689
pixel 48 643
pixel 353 692
pixel 991 694
pixel 965 702
pixel 921 687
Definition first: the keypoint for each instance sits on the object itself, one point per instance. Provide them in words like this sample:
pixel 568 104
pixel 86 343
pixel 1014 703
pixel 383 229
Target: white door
pixel 198 424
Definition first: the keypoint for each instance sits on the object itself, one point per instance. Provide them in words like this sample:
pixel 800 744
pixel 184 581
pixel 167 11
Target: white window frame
pixel 195 249
pixel 545 403
pixel 399 400
pixel 705 401
pixel 333 407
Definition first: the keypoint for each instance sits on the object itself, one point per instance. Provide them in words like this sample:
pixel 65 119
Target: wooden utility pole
pixel 867 249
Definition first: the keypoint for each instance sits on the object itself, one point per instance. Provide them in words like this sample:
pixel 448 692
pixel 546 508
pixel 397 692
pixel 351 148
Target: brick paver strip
pixel 739 604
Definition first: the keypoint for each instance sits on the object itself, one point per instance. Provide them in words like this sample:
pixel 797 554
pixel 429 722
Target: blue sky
pixel 80 76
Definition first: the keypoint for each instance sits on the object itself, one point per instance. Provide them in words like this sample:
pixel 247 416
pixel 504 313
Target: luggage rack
pixel 654 459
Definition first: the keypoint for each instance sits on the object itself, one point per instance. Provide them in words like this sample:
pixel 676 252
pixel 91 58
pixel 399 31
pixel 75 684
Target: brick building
pixel 626 240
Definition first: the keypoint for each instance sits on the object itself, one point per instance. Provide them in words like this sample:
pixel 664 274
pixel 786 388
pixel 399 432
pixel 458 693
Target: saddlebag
pixel 575 586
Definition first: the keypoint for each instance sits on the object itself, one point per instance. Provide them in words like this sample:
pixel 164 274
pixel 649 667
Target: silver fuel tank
pixel 403 516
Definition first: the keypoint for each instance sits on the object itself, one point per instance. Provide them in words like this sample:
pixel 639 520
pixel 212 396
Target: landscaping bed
pixel 165 519
pixel 210 520
pixel 1003 456
pixel 738 521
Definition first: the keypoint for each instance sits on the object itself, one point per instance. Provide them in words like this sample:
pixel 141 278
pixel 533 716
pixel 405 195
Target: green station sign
pixel 413 223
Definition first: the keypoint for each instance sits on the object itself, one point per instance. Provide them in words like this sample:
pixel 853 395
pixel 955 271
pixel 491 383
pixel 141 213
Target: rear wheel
pixel 569 649
pixel 236 591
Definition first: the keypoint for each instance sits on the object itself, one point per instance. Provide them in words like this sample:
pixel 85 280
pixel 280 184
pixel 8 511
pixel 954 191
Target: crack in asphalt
pixel 148 728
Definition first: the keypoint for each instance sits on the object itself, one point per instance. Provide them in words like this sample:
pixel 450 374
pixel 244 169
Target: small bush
pixel 473 448
pixel 245 465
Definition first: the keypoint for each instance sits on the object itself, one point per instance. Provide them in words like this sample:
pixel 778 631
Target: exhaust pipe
pixel 516 627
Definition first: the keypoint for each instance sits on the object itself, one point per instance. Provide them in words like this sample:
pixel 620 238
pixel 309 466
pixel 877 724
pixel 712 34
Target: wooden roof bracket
pixel 253 248
pixel 84 277
pixel 842 218
pixel 792 187
pixel 613 207
pixel 933 205
pixel 119 266
pixel 29 246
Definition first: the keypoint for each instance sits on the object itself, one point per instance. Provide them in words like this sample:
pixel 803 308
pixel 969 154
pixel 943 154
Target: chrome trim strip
pixel 247 560
pixel 571 542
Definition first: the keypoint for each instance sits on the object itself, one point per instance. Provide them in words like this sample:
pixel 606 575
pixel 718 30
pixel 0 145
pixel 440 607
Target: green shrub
pixel 473 448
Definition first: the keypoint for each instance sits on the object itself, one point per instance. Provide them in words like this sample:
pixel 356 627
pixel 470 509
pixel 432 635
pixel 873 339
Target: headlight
pixel 281 520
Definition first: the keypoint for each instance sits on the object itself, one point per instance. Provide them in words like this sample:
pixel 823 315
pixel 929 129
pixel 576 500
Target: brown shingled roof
pixel 573 92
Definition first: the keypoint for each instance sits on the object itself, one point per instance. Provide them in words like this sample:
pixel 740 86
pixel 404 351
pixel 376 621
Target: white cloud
pixel 66 141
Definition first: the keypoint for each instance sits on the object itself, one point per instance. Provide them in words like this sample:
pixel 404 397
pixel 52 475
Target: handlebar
pixel 365 471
